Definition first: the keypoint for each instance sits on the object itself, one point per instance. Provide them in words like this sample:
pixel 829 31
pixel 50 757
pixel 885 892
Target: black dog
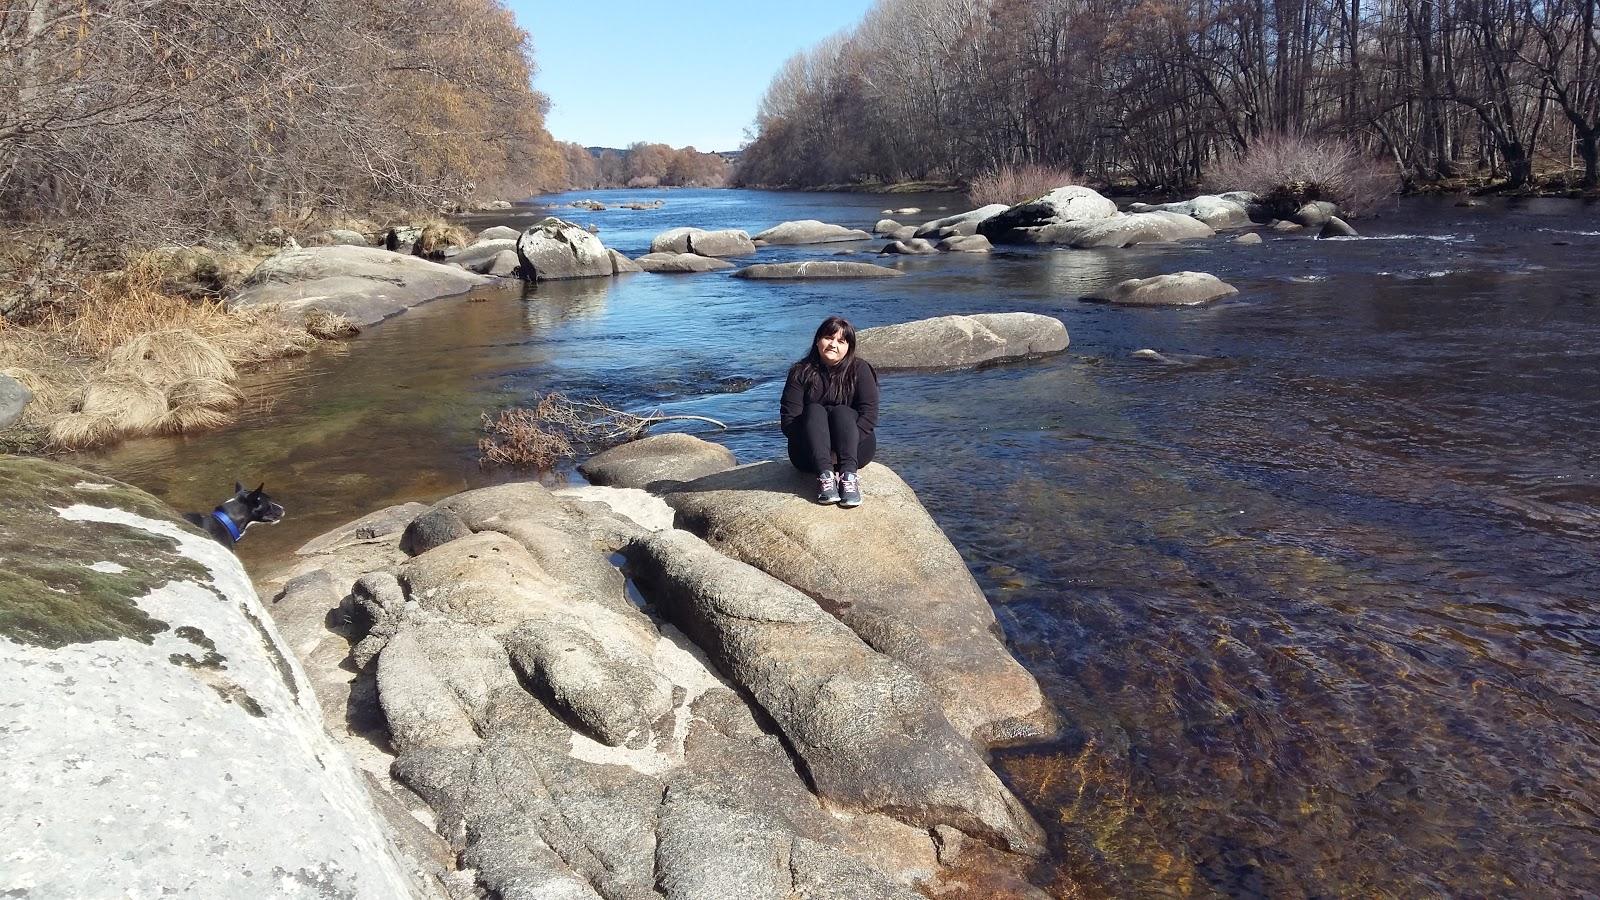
pixel 227 523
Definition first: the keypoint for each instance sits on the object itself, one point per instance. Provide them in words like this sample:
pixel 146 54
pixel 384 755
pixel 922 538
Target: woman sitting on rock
pixel 829 411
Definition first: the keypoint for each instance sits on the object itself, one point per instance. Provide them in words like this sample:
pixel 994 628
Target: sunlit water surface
pixel 1318 597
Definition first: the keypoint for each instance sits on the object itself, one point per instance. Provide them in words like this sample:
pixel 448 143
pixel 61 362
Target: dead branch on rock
pixel 559 427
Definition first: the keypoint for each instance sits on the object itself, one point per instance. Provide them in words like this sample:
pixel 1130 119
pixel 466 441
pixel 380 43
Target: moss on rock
pixel 50 596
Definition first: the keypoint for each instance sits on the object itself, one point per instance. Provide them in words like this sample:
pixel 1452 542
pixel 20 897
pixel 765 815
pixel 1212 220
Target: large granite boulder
pixel 727 242
pixel 823 268
pixel 14 398
pixel 870 732
pixel 810 231
pixel 1064 205
pixel 657 461
pixel 363 284
pixel 1314 214
pixel 1123 230
pixel 480 686
pixel 680 262
pixel 158 737
pixel 555 249
pixel 886 570
pixel 952 342
pixel 1337 227
pixel 1177 289
pixel 964 224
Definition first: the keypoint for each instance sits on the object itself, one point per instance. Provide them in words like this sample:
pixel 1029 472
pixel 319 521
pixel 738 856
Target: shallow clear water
pixel 1318 598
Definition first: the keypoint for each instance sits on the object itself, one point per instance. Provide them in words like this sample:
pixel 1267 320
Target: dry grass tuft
pixel 115 403
pixel 171 355
pixel 1289 170
pixel 1018 184
pixel 328 326
pixel 196 404
pixel 438 236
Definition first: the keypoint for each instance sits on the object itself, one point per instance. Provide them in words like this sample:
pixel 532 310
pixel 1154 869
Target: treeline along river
pixel 1317 595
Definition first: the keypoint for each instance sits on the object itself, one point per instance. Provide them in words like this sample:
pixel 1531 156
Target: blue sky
pixel 686 73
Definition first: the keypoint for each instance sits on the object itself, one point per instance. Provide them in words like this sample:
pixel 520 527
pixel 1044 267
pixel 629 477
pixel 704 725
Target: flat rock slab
pixel 1124 230
pixel 974 243
pixel 158 738
pixel 1177 289
pixel 657 461
pixel 826 268
pixel 680 262
pixel 363 284
pixel 965 223
pixel 810 231
pixel 885 569
pixel 953 342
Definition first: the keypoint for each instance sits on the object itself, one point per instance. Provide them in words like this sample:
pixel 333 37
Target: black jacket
pixel 796 397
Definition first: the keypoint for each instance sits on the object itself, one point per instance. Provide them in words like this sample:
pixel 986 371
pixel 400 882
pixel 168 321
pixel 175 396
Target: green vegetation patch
pixel 49 597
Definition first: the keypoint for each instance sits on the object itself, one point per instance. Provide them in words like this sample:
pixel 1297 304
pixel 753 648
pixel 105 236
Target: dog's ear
pixel 238 488
pixel 259 487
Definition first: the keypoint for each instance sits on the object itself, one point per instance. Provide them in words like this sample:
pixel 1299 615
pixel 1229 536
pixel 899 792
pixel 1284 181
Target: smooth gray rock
pixel 434 528
pixel 1177 289
pixel 504 265
pixel 657 461
pixel 810 231
pixel 337 237
pixel 913 247
pixel 975 243
pixel 1219 211
pixel 871 733
pixel 680 262
pixel 621 265
pixel 961 341
pixel 825 268
pixel 1122 230
pixel 363 284
pixel 726 242
pixel 1284 225
pixel 14 398
pixel 498 233
pixel 887 226
pixel 903 233
pixel 1315 214
pixel 1249 237
pixel 481 256
pixel 159 738
pixel 887 571
pixel 965 223
pixel 555 249
pixel 1337 227
pixel 1064 205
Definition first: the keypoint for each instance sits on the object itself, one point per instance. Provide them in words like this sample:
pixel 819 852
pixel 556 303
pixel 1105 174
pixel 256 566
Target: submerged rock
pixel 975 243
pixel 1248 238
pixel 363 284
pixel 810 231
pixel 913 247
pixel 554 249
pixel 680 262
pixel 159 735
pixel 1177 289
pixel 816 269
pixel 961 341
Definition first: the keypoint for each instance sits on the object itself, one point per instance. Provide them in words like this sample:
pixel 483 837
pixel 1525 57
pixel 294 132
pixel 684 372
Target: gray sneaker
pixel 828 488
pixel 849 491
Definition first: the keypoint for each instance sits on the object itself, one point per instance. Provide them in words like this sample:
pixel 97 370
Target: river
pixel 1318 596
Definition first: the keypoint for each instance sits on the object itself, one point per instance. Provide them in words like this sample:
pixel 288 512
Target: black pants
pixel 824 434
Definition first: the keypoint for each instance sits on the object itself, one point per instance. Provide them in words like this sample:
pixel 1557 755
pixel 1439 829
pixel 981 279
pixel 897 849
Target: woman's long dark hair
pixel 838 383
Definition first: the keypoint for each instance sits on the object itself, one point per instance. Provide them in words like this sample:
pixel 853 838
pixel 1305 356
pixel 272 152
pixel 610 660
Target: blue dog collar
pixel 227 523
